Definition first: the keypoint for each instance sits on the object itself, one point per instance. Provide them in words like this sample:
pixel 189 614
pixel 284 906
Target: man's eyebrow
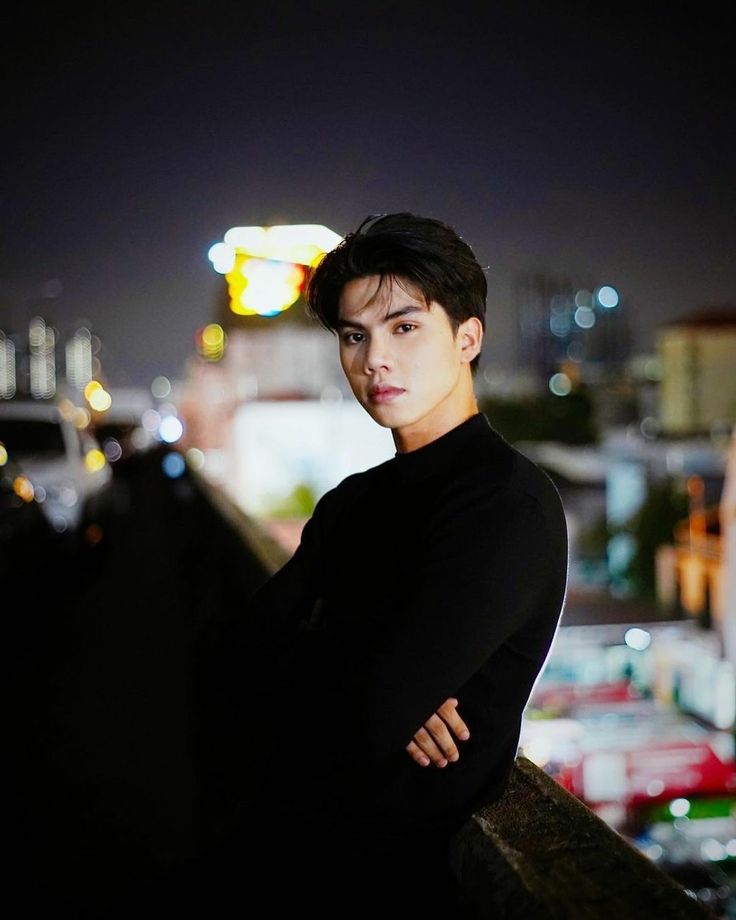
pixel 411 308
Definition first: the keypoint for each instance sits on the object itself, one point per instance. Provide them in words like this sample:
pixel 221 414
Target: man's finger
pixel 440 734
pixel 450 715
pixel 418 754
pixel 433 742
pixel 428 745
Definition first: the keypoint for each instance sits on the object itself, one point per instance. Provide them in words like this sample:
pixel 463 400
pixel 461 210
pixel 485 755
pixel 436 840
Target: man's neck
pixel 432 426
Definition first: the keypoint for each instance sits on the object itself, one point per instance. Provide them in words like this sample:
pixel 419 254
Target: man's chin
pixel 386 415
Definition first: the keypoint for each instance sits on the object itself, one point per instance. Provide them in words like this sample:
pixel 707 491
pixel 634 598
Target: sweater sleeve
pixel 485 565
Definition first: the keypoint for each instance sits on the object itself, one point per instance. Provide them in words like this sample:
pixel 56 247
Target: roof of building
pixel 706 316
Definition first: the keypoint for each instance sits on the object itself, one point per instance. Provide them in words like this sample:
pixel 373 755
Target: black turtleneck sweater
pixel 440 572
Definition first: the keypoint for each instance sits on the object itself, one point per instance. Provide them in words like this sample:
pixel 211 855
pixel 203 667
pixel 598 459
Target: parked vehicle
pixel 64 464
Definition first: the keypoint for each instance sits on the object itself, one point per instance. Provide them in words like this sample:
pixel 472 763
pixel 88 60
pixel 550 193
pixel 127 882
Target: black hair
pixel 421 250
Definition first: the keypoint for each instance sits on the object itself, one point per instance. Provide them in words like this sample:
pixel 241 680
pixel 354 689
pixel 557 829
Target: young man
pixel 424 595
pixel 422 601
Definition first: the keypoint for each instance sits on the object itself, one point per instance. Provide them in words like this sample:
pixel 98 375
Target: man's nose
pixel 376 354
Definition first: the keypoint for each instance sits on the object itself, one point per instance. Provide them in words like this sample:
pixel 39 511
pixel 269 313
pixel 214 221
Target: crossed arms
pixel 469 597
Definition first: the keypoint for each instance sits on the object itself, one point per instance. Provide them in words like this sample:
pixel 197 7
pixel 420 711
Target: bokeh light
pixel 173 465
pixel 637 638
pixel 679 808
pixel 171 429
pixel 607 296
pixel 23 488
pixel 94 460
pixel 195 458
pixel 210 341
pixel 161 387
pixel 585 317
pixel 560 384
pixel 112 449
pixel 151 419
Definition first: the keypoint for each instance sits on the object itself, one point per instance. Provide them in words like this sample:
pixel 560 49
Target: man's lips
pixel 384 394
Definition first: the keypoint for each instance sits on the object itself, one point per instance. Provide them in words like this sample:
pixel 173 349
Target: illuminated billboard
pixel 266 267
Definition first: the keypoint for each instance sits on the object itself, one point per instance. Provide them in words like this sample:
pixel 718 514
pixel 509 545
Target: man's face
pixel 390 338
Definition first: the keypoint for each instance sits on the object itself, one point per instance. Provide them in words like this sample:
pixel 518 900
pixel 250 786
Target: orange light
pixel 23 488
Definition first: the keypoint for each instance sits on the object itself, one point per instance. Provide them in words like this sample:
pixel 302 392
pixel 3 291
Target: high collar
pixel 444 451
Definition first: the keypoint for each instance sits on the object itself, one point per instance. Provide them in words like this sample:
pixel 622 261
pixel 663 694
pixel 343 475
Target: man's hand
pixel 433 742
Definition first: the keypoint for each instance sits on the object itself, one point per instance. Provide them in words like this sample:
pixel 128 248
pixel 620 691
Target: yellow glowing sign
pixel 265 267
pixel 263 286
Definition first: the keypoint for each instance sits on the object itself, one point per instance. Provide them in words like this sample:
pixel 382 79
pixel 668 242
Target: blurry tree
pixel 593 538
pixel 545 417
pixel 652 526
pixel 299 503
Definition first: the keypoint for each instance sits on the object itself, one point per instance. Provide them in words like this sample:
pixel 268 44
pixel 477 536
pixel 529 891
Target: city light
pixel 173 465
pixel 97 396
pixel 161 387
pixel 304 244
pixel 210 342
pixel 100 400
pixel 79 358
pixel 679 808
pixel 607 296
pixel 195 458
pixel 112 449
pixel 171 429
pixel 7 367
pixel 222 258
pixel 263 286
pixel 637 638
pixel 585 317
pixel 560 384
pixel 42 358
pixel 94 460
pixel 266 267
pixel 150 420
pixel 23 488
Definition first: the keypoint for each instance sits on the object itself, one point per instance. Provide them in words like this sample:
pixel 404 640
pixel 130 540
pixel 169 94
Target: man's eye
pixel 347 338
pixel 406 325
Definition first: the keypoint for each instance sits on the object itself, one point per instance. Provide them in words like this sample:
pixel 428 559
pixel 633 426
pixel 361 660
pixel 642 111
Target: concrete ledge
pixel 256 537
pixel 539 853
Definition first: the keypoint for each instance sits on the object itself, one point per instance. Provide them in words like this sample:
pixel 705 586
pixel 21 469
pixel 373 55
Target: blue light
pixel 173 465
pixel 607 296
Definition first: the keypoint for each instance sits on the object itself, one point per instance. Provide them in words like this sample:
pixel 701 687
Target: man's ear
pixel 470 334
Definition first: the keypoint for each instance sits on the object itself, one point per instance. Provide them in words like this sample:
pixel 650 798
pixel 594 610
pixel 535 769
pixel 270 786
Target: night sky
pixel 596 144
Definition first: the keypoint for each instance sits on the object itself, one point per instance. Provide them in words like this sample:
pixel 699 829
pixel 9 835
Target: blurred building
pixel 41 362
pixel 569 333
pixel 727 511
pixel 536 345
pixel 698 362
pixel 559 322
pixel 698 571
pixel 261 346
pixel 691 569
pixel 696 574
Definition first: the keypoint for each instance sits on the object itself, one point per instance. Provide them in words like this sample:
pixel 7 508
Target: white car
pixel 55 456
